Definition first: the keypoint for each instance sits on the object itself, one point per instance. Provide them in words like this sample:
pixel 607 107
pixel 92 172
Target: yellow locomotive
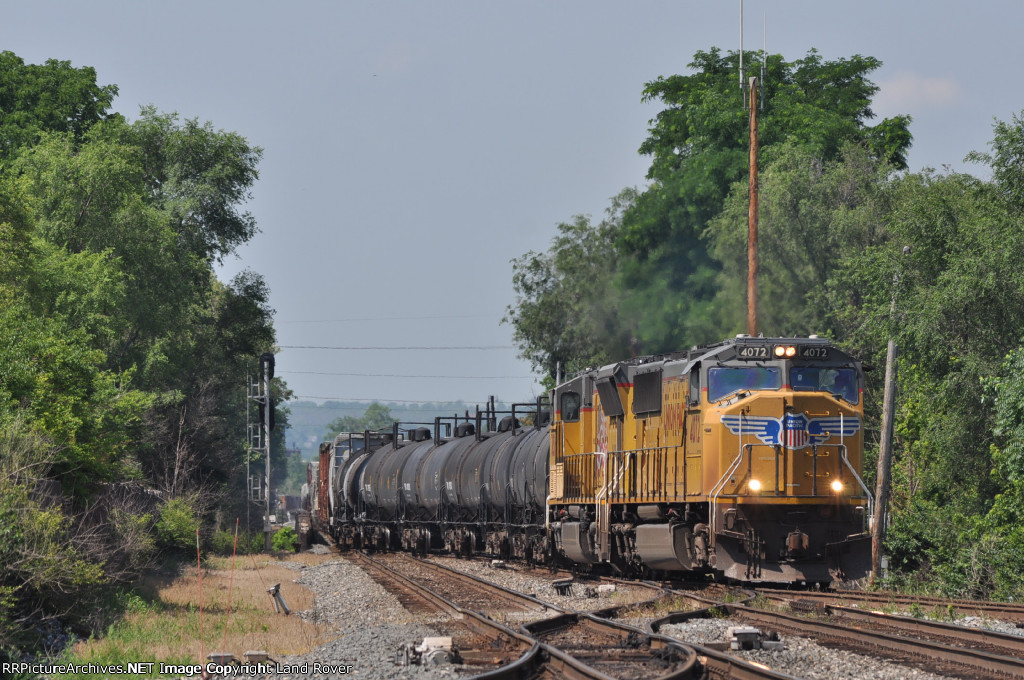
pixel 740 458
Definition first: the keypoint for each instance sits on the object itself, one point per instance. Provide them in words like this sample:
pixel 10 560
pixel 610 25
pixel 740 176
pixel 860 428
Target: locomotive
pixel 740 459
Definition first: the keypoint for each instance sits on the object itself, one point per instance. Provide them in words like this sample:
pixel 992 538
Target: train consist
pixel 739 459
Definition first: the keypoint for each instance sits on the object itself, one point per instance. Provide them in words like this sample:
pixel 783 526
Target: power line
pixel 400 375
pixel 465 402
pixel 394 318
pixel 482 347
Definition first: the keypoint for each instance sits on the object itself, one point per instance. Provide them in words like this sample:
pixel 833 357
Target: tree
pixel 376 417
pixel 813 215
pixel 698 144
pixel 157 202
pixel 565 312
pixel 55 305
pixel 121 351
pixel 50 97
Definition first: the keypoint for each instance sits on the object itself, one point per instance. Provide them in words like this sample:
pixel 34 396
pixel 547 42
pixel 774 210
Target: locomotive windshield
pixel 841 382
pixel 726 380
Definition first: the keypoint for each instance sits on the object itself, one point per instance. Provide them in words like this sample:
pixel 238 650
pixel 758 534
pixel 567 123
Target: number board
pixel 753 352
pixel 814 352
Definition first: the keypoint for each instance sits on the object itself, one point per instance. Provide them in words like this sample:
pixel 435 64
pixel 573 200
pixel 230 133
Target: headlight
pixel 837 485
pixel 754 485
pixel 788 351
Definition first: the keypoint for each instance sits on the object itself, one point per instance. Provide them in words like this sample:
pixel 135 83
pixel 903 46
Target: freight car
pixel 739 459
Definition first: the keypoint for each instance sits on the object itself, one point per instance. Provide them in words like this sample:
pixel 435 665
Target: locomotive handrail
pixel 863 487
pixel 716 490
pixel 654 482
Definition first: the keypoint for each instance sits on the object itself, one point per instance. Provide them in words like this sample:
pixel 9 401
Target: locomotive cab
pixel 786 425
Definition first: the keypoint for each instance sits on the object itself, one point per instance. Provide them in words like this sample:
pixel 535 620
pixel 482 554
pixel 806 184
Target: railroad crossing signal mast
pixel 259 438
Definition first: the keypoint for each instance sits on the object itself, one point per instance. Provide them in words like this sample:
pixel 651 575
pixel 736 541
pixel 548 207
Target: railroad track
pixel 1005 611
pixel 614 649
pixel 467 591
pixel 975 638
pixel 937 656
pixel 938 647
pixel 563 646
pixel 483 644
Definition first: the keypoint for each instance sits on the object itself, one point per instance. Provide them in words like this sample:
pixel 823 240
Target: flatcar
pixel 739 460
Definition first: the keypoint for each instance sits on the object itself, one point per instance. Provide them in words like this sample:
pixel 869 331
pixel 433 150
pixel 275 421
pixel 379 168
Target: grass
pixel 659 607
pixel 162 622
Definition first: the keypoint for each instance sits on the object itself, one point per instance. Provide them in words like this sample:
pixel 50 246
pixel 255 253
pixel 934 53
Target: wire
pixel 391 401
pixel 482 347
pixel 395 318
pixel 399 375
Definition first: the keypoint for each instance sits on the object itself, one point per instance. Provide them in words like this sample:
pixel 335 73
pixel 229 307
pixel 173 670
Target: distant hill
pixel 308 420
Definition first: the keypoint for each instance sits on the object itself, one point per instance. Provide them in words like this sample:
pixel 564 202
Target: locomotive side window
pixel 838 381
pixel 569 405
pixel 723 381
pixel 695 386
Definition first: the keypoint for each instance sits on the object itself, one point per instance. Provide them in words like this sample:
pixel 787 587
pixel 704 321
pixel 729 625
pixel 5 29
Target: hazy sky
pixel 413 148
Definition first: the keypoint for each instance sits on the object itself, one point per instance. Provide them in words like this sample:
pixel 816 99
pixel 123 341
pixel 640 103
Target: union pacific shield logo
pixel 792 431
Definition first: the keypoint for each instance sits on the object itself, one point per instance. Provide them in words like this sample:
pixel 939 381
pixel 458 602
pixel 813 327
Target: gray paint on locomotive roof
pixel 414 148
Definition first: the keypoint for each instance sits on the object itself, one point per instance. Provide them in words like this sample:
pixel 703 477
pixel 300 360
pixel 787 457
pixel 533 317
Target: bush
pixel 285 540
pixel 45 572
pixel 176 529
pixel 223 542
pixel 256 542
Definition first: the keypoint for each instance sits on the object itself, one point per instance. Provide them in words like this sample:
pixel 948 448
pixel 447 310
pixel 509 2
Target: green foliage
pixel 650 279
pixel 177 527
pixel 132 533
pixel 814 214
pixel 223 542
pixel 119 347
pixel 1006 391
pixel 284 540
pixel 565 311
pixel 1006 160
pixel 699 148
pixel 295 472
pixel 45 565
pixel 11 655
pixel 50 97
pixel 376 417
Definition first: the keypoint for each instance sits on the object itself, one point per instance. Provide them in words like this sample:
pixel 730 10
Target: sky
pixel 414 148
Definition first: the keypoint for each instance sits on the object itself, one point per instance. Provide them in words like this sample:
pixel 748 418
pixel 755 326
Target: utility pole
pixel 752 215
pixel 753 99
pixel 884 470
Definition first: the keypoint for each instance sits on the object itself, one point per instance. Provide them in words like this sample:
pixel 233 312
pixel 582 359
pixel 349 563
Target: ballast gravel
pixel 372 626
pixel 800 657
